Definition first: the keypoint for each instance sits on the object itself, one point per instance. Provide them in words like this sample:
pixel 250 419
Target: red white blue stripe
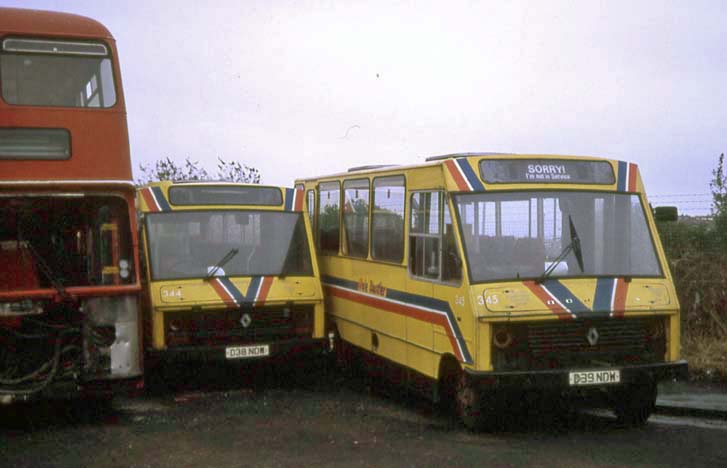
pixel 464 176
pixel 557 298
pixel 155 199
pixel 227 291
pixel 257 290
pixel 609 298
pixel 626 177
pixel 256 293
pixel 293 200
pixel 422 308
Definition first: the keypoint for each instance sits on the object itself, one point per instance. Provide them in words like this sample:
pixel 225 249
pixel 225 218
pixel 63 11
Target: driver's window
pixel 432 244
pixel 451 263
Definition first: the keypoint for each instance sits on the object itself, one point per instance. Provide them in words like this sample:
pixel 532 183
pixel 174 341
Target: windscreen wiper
pixel 47 271
pixel 228 256
pixel 574 246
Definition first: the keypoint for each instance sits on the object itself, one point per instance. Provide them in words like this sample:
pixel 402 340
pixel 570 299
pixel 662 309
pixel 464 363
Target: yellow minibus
pixel 230 272
pixel 492 277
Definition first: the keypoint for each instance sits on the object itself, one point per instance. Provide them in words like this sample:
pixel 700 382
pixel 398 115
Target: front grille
pixel 563 344
pixel 228 327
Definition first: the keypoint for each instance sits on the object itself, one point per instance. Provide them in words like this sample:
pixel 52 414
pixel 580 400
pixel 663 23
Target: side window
pixel 451 261
pixel 432 244
pixel 424 235
pixel 356 217
pixel 312 208
pixel 329 195
pixel 387 219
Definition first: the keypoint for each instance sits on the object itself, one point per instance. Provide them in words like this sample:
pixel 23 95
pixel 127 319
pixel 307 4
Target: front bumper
pixel 278 349
pixel 557 379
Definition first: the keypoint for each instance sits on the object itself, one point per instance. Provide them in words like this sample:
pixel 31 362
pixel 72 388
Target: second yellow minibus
pixel 230 272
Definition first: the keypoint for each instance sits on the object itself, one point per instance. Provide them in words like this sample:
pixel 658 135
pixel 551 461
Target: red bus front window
pixel 67 240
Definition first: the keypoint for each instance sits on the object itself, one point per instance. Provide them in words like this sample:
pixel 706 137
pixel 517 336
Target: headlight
pixel 502 338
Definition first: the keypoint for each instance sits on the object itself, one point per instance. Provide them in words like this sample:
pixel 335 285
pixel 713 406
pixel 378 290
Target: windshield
pixel 64 241
pixel 192 244
pixel 519 235
pixel 39 79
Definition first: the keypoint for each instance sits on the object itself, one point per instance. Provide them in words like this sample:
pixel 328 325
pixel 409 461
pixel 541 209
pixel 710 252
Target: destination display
pixel 556 171
pixel 35 143
pixel 225 195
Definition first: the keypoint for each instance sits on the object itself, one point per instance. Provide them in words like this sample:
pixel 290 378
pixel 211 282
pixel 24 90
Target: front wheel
pixel 469 403
pixel 634 403
pixel 476 408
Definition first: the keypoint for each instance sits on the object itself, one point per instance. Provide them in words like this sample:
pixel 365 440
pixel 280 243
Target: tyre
pixel 469 403
pixel 634 403
pixel 476 409
pixel 460 396
pixel 346 359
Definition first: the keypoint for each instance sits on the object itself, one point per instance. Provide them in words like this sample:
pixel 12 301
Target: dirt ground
pixel 210 416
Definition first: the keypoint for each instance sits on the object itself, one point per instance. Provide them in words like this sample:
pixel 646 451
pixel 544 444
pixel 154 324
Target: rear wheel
pixel 345 358
pixel 634 403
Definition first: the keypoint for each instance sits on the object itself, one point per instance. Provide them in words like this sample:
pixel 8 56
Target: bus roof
pixel 189 183
pixel 468 172
pixel 186 195
pixel 463 155
pixel 440 160
pixel 50 23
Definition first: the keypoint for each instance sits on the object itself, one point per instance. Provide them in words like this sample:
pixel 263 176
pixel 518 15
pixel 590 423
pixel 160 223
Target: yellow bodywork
pixel 197 295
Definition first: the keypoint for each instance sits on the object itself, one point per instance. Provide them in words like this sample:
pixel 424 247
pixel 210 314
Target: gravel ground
pixel 226 416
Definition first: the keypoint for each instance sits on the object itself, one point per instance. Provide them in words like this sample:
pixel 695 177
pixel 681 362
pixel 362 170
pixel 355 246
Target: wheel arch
pixel 447 372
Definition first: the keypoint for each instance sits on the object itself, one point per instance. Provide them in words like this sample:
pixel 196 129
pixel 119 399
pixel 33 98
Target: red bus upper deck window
pixel 35 72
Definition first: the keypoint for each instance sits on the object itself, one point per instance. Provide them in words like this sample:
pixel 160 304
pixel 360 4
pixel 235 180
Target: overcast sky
pixel 308 88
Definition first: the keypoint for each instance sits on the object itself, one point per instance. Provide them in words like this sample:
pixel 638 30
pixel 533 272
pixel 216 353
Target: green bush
pixel 696 249
pixel 698 262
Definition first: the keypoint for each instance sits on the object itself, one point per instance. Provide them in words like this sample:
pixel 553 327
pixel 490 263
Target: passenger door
pixel 434 272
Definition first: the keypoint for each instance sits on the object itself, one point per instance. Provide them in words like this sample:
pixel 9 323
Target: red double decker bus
pixel 69 274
